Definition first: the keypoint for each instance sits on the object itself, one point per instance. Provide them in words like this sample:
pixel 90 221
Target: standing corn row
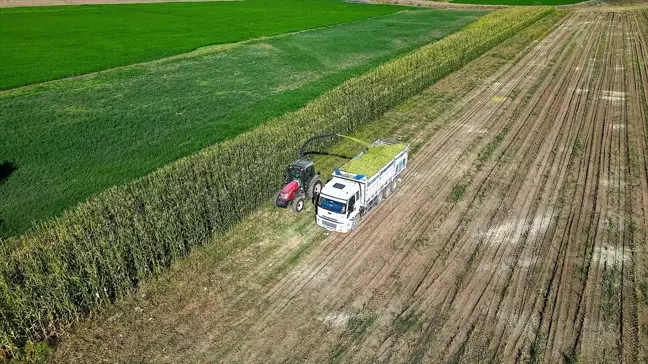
pixel 98 251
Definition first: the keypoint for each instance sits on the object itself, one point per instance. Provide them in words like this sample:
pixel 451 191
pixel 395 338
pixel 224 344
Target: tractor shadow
pixel 6 169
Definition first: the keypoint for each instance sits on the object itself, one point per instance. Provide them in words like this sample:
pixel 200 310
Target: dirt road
pixel 518 234
pixel 436 4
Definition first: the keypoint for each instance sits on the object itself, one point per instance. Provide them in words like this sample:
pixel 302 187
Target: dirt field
pixel 517 234
pixel 435 4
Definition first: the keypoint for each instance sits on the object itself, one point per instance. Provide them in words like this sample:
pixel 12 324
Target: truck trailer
pixel 360 185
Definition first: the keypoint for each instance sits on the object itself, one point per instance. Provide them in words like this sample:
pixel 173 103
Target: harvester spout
pixel 302 150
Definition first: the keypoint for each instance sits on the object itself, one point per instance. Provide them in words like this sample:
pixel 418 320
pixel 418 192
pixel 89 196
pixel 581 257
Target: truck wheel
pixel 356 222
pixel 314 186
pixel 392 187
pixel 387 191
pixel 298 203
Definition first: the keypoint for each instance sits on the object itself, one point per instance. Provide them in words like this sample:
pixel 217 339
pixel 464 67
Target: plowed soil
pixel 518 234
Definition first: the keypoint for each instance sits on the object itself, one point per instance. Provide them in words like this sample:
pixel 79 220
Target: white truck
pixel 360 184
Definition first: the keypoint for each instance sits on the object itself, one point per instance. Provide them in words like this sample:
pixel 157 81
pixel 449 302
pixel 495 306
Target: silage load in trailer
pixel 372 160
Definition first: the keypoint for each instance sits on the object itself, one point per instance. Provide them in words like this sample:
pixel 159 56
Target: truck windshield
pixel 338 207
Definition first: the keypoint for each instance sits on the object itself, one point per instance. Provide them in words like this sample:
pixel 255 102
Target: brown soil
pixel 436 4
pixel 17 3
pixel 517 235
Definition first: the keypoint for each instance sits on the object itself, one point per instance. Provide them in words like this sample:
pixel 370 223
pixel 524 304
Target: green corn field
pixel 98 251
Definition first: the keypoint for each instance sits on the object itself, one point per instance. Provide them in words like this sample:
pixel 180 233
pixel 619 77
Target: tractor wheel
pixel 298 203
pixel 275 199
pixel 314 186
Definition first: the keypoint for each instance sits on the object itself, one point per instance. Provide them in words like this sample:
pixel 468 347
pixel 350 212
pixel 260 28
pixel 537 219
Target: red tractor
pixel 301 182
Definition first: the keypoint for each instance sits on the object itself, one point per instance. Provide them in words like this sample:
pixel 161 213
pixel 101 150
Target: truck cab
pixel 339 206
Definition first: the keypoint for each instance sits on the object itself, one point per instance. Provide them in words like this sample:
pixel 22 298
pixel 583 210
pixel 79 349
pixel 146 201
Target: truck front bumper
pixel 331 225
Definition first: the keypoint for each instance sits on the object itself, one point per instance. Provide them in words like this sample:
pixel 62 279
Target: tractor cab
pixel 301 171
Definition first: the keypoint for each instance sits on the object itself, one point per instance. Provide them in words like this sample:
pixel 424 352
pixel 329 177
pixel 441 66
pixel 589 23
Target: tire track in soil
pixel 540 217
pixel 576 227
pixel 527 210
pixel 538 261
pixel 635 299
pixel 596 170
pixel 506 229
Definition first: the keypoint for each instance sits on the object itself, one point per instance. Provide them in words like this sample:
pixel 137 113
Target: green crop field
pixel 45 43
pixel 517 2
pixel 72 138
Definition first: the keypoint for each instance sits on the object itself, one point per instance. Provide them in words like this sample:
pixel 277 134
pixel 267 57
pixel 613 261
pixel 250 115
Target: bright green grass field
pixel 73 138
pixel 44 43
pixel 517 2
